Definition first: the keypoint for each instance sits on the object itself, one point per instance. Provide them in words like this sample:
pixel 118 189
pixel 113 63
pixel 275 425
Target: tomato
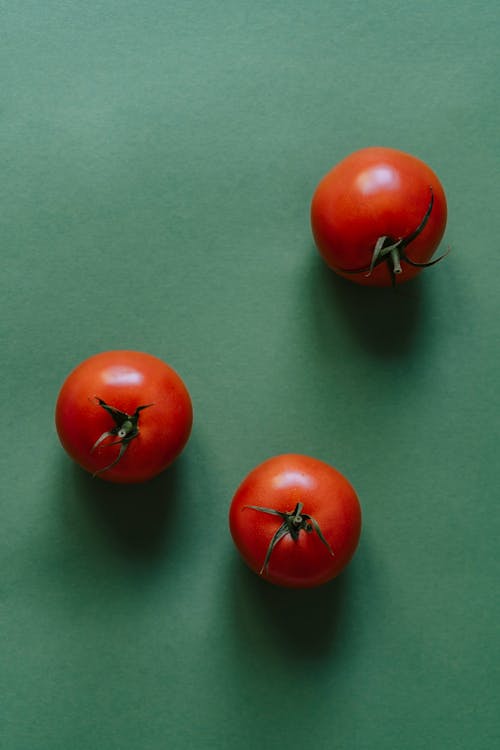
pixel 124 415
pixel 296 521
pixel 378 216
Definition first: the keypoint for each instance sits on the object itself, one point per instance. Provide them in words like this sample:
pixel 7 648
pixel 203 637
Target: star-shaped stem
pixel 392 251
pixel 126 429
pixel 293 522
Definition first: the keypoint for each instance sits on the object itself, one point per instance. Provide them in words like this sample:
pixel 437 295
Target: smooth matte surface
pixel 158 160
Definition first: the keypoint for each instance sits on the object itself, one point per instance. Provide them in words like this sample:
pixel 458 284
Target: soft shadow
pixel 137 517
pixel 283 619
pixel 384 320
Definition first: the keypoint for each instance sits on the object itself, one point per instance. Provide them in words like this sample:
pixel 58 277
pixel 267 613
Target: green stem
pixel 396 261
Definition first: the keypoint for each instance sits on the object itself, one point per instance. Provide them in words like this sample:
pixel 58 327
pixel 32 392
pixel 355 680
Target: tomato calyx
pixel 392 251
pixel 293 522
pixel 126 429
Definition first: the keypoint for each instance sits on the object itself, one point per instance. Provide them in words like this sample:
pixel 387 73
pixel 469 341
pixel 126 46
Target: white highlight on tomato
pixel 122 376
pixel 374 178
pixel 293 479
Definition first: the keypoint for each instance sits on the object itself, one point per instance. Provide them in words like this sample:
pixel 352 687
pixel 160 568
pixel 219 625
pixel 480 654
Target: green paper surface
pixel 158 162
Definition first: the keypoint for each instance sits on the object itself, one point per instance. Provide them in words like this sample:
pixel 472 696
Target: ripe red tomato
pixel 296 521
pixel 124 415
pixel 378 216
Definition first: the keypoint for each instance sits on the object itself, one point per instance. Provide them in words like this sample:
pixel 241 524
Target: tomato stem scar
pixel 126 429
pixel 393 251
pixel 293 523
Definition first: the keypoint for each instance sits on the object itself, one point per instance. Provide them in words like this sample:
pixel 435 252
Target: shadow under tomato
pixel 135 517
pixel 282 619
pixel 384 320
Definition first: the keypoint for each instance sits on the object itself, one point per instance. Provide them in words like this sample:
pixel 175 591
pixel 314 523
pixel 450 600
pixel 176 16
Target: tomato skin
pixel 280 483
pixel 126 380
pixel 372 193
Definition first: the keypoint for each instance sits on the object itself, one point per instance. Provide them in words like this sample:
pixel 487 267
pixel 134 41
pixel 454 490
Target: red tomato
pixel 124 415
pixel 296 521
pixel 378 216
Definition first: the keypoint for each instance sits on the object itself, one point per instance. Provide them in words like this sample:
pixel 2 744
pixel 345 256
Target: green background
pixel 158 161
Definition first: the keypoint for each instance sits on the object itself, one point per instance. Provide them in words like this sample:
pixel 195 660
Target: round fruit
pixel 123 415
pixel 296 521
pixel 378 216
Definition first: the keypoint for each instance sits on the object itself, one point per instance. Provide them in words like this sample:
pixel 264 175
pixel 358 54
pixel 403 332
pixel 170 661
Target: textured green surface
pixel 158 160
